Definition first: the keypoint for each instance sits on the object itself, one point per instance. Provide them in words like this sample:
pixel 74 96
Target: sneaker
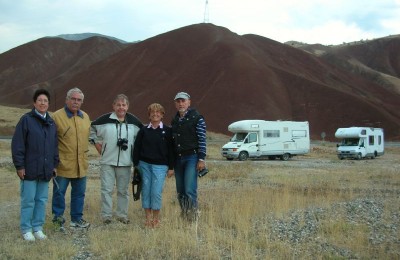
pixel 107 221
pixel 28 236
pixel 39 235
pixel 124 220
pixel 79 224
pixel 59 223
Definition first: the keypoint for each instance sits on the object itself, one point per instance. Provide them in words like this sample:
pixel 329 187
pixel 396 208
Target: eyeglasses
pixel 42 100
pixel 76 99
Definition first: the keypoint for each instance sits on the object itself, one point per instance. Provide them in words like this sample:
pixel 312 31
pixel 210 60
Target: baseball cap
pixel 182 95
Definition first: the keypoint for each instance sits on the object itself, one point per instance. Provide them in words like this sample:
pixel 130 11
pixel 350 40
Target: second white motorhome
pixel 360 142
pixel 270 139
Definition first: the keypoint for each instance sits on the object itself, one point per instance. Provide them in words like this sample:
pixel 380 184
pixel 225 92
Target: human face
pixel 155 116
pixel 182 105
pixel 74 102
pixel 120 108
pixel 41 104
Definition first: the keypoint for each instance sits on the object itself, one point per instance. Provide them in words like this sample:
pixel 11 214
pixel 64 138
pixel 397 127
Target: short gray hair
pixel 121 96
pixel 74 90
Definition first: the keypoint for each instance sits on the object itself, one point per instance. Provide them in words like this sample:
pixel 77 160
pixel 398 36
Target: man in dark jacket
pixel 189 133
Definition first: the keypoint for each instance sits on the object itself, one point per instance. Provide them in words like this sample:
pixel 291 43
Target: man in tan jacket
pixel 73 129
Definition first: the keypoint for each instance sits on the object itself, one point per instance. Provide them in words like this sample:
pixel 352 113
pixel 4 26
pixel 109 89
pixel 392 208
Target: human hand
pixel 21 173
pixel 98 147
pixel 170 173
pixel 201 165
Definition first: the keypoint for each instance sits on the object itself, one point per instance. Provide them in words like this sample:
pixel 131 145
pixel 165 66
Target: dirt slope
pixel 230 77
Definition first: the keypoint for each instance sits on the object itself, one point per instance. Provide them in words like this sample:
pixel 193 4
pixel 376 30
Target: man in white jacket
pixel 113 135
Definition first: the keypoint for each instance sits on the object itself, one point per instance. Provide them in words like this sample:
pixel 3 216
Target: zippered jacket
pixel 73 142
pixel 189 133
pixel 34 146
pixel 107 129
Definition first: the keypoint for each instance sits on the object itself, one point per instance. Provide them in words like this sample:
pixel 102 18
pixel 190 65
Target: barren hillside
pixel 232 77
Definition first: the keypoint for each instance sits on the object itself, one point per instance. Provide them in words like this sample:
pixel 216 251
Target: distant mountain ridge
pixel 83 36
pixel 230 77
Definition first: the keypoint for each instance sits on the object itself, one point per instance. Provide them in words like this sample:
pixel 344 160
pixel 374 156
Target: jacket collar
pixel 42 116
pixel 188 111
pixel 161 125
pixel 115 117
pixel 47 119
pixel 70 114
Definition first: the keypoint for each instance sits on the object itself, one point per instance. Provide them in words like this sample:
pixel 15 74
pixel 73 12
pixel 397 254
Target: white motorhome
pixel 270 139
pixel 360 142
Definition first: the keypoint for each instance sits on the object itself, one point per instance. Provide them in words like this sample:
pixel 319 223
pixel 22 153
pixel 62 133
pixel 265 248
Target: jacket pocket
pixel 104 149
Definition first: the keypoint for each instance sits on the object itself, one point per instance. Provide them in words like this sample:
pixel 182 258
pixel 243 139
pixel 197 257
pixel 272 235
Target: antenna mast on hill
pixel 206 13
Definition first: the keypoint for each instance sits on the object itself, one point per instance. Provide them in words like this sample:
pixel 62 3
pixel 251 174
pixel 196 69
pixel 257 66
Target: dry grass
pixel 9 118
pixel 243 205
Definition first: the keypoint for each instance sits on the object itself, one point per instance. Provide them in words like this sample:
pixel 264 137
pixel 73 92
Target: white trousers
pixel 121 177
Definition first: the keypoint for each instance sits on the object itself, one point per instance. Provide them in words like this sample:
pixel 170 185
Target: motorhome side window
pixel 271 133
pixel 252 137
pixel 371 140
pixel 299 133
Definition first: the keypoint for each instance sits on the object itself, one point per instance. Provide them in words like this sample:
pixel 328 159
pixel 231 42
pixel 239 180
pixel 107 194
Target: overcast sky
pixel 309 21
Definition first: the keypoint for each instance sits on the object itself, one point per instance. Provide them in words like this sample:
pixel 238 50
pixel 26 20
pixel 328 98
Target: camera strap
pixel 120 132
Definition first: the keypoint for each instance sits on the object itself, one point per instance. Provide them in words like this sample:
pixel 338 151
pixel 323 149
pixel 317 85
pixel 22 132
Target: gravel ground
pixel 302 226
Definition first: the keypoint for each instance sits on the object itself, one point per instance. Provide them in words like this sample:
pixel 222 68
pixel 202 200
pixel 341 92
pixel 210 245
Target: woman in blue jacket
pixel 35 157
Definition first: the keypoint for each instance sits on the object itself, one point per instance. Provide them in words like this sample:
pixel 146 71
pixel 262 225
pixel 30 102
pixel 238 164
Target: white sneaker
pixel 40 235
pixel 28 236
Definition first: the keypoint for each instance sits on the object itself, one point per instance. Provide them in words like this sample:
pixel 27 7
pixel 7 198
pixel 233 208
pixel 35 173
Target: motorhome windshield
pixel 350 142
pixel 239 137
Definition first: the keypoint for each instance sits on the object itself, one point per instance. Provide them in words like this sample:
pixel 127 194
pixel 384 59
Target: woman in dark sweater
pixel 153 155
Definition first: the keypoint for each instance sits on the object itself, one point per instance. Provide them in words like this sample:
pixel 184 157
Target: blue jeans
pixel 186 181
pixel 34 195
pixel 78 188
pixel 153 178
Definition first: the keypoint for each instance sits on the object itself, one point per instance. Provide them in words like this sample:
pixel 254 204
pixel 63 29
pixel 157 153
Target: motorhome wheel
pixel 285 157
pixel 243 156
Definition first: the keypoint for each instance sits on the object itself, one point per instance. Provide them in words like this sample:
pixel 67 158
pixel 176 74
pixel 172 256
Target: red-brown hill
pixel 381 55
pixel 48 63
pixel 375 60
pixel 232 77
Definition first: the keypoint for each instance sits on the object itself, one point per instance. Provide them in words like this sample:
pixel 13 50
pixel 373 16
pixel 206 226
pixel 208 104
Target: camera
pixel 202 172
pixel 123 143
pixel 136 181
pixel 136 176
